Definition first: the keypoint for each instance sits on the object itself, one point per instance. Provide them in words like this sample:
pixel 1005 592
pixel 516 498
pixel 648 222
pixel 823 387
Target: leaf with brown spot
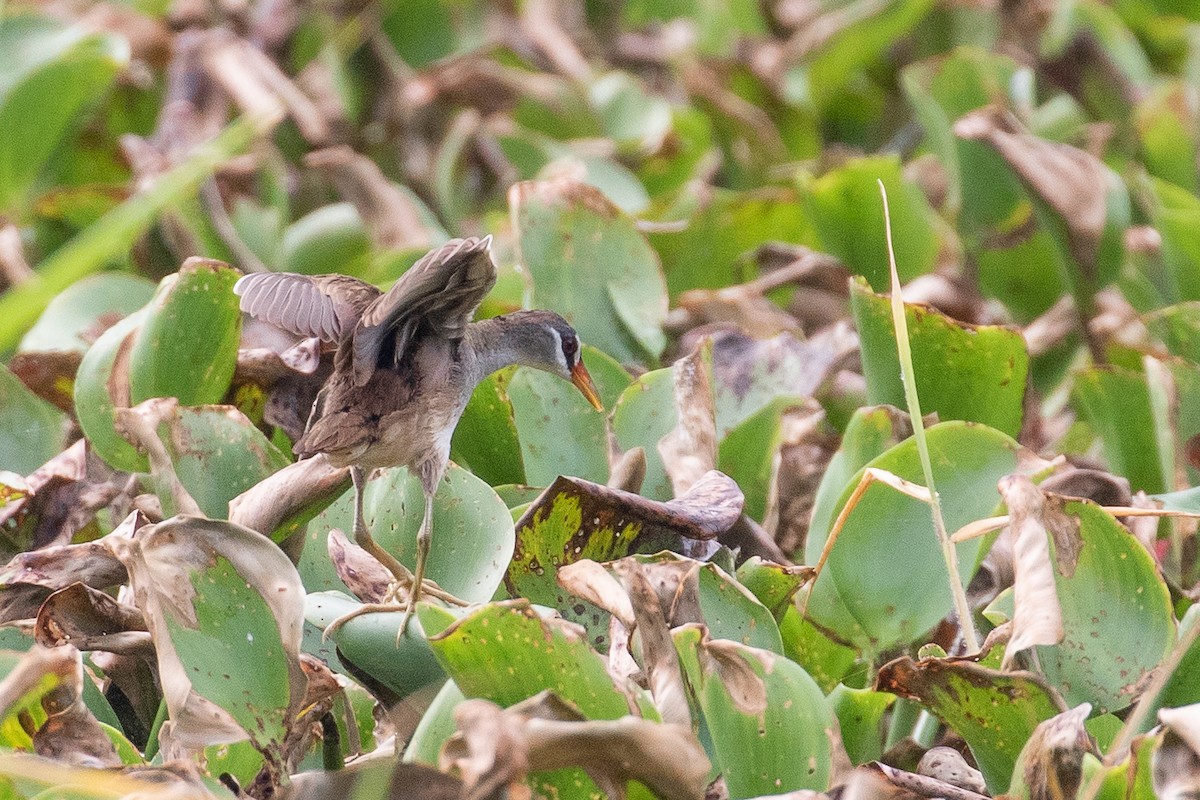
pixel 995 712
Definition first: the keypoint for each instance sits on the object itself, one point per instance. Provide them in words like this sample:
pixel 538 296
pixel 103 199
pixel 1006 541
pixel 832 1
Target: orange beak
pixel 583 382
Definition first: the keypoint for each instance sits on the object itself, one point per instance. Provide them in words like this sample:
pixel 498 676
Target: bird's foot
pixel 397 598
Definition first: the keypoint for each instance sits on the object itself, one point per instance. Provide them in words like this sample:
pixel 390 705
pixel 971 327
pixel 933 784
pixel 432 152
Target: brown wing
pixel 436 297
pixel 325 306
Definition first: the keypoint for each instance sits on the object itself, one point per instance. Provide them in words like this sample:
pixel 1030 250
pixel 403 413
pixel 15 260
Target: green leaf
pixel 582 251
pixel 50 75
pixel 560 433
pixel 973 373
pixel 1175 212
pixel 569 523
pixel 218 454
pixel 332 238
pixel 104 369
pixel 1116 403
pixel 771 728
pixel 82 308
pixel 31 430
pixel 747 453
pixel 1166 127
pixel 225 609
pixel 773 584
pixel 435 727
pixel 490 654
pixel 845 206
pixel 369 643
pixel 860 718
pixel 860 596
pixel 1117 612
pixel 485 440
pixel 186 346
pixel 995 712
pixel 643 414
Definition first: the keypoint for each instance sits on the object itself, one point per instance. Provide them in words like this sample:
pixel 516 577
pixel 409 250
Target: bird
pixel 406 363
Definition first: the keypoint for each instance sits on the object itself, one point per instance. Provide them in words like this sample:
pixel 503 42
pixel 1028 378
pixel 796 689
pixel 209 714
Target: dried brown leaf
pixel 283 502
pixel 1071 181
pixel 89 619
pixel 1055 753
pixel 1037 617
pixel 660 660
pixel 689 451
pixel 362 573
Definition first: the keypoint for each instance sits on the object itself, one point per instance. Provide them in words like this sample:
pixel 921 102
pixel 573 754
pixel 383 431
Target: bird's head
pixel 548 342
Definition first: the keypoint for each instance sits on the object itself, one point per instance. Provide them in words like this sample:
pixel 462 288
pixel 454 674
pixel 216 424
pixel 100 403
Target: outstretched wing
pixel 436 297
pixel 325 306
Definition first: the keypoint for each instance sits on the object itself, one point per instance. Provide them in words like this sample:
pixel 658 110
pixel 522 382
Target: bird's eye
pixel 570 347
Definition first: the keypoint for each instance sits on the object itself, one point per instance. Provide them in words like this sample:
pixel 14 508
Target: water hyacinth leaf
pixel 995 712
pixel 849 217
pixel 51 75
pixel 860 596
pixel 773 584
pixel 1116 609
pixel 747 453
pixel 643 414
pixel 103 371
pixel 576 519
pixel 504 652
pixel 186 346
pixel 860 718
pixel 870 433
pixel 435 727
pixel 225 608
pixel 1178 328
pixel 217 454
pixel 49 354
pixel 1116 402
pixel 559 431
pixel 1181 689
pixel 828 662
pixel 579 247
pixel 333 234
pixel 966 372
pixel 31 430
pixel 771 728
pixel 369 643
pixel 486 440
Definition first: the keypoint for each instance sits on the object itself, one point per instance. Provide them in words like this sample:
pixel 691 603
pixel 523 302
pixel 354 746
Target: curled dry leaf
pixel 364 576
pixel 1071 181
pixel 1037 616
pixel 627 471
pixel 664 676
pixel 689 451
pixel 279 505
pixel 89 619
pixel 71 734
pixel 496 747
pixel 947 765
pixel 1053 757
pixel 140 426
pixel 924 785
pixel 29 578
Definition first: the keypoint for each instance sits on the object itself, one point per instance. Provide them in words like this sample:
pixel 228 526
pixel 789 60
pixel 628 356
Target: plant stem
pixel 908 376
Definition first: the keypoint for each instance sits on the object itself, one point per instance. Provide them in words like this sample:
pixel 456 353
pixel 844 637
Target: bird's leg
pixel 363 537
pixel 424 538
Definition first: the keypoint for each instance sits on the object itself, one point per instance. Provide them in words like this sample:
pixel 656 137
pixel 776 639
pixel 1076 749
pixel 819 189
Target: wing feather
pixel 324 306
pixel 436 297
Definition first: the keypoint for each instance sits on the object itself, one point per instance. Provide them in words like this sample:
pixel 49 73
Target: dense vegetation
pixel 988 487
